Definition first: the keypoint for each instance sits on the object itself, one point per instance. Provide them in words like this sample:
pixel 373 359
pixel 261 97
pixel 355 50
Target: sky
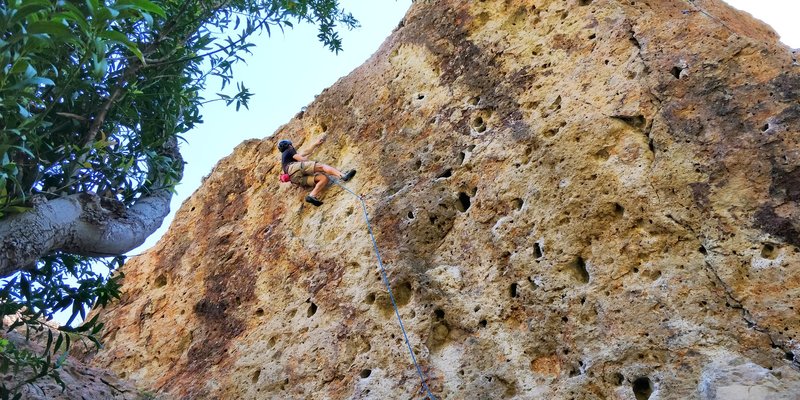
pixel 288 69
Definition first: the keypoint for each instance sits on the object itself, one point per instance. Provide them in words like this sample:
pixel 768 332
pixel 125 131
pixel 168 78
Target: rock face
pixel 573 199
pixel 80 381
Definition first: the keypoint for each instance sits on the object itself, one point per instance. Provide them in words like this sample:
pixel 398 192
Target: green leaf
pixel 40 80
pixel 49 341
pixel 147 18
pixel 59 341
pixel 30 72
pixel 30 7
pixel 95 341
pixel 92 6
pixel 37 80
pixel 73 14
pixel 63 357
pixel 25 287
pixel 57 29
pixel 99 68
pixel 87 325
pixel 107 14
pixel 22 111
pixel 145 5
pixel 119 37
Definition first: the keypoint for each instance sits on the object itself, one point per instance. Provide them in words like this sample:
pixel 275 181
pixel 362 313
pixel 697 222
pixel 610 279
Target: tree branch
pixel 83 223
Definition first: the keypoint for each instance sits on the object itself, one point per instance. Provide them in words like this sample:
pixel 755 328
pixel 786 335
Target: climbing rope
pixel 388 288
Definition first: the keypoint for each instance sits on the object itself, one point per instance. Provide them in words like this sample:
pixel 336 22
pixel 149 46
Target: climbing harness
pixel 388 289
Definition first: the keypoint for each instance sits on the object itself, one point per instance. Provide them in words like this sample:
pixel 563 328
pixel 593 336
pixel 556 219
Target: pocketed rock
pixel 573 200
pixel 735 378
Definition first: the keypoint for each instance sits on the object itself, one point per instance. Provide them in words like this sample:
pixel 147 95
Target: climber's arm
pixel 303 155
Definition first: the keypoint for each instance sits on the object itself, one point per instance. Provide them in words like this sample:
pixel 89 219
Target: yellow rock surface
pixel 573 199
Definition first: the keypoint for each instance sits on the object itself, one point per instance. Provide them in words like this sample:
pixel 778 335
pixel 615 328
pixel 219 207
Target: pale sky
pixel 288 70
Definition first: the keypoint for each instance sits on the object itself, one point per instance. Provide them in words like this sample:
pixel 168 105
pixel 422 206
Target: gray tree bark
pixel 82 223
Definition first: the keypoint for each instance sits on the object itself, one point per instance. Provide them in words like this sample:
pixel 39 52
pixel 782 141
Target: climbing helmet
pixel 283 145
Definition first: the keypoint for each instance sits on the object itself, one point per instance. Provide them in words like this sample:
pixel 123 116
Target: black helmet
pixel 283 145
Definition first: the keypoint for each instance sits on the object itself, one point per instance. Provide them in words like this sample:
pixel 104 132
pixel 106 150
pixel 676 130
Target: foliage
pixel 90 93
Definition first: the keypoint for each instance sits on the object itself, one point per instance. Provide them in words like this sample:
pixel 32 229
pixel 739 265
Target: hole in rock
pixel 537 250
pixel 642 388
pixel 592 36
pixel 446 174
pixel 439 313
pixel 619 210
pixel 584 2
pixel 260 312
pixel 636 121
pixel 768 251
pixel 702 250
pixel 517 203
pixel 602 155
pixel 482 323
pixel 618 379
pixel 789 356
pixel 513 290
pixel 533 282
pixel 765 128
pixel 403 293
pixel 161 281
pixel 579 269
pixel 556 105
pixel 410 215
pixel 634 41
pixel 370 298
pixel 365 373
pixel 312 309
pixel 463 202
pixel 420 96
pixel 676 72
pixel 461 157
pixel 256 375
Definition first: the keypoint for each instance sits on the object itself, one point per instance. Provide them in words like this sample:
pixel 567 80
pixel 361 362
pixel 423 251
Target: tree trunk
pixel 84 224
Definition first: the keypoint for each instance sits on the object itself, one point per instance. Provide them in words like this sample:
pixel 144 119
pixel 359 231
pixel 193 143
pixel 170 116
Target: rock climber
pixel 305 172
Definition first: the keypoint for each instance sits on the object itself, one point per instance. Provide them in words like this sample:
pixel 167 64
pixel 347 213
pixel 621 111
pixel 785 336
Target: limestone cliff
pixel 574 199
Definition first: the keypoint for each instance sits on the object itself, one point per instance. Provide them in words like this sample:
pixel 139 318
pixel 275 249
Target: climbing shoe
pixel 349 175
pixel 313 200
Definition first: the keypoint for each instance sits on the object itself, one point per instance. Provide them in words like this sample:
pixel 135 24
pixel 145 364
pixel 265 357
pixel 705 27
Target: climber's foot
pixel 313 200
pixel 349 175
